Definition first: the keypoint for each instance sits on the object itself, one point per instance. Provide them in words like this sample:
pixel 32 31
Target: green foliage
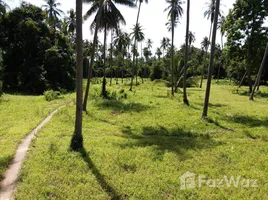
pixel 157 70
pixel 51 95
pixel 30 62
pixel 246 34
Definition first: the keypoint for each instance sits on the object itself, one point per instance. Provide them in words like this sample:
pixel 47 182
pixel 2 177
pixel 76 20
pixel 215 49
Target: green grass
pixel 138 147
pixel 19 115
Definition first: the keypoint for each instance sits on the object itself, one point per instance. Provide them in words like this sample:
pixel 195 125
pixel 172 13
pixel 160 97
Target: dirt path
pixel 8 184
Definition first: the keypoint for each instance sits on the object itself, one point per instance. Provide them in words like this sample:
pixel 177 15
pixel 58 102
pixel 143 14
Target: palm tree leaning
pixel 77 138
pixel 211 63
pixel 185 100
pixel 175 11
pixel 98 6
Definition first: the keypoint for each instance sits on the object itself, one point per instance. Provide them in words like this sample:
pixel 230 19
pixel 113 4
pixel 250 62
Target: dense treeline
pixel 35 56
pixel 37 48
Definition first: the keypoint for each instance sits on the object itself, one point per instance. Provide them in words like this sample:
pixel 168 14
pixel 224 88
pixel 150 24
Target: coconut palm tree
pixel 211 62
pixel 71 21
pixel 122 41
pixel 113 16
pixel 77 138
pixel 187 40
pixel 53 12
pixel 191 38
pixel 149 43
pixel 165 44
pixel 158 53
pixel 204 46
pixel 175 11
pixel 137 35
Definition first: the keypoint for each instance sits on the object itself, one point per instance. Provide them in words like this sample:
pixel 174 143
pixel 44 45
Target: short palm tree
pixel 175 11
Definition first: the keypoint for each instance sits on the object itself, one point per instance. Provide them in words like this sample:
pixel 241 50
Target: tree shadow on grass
pixel 248 120
pixel 164 140
pixel 257 94
pixel 121 106
pixel 215 105
pixel 100 178
pixel 216 123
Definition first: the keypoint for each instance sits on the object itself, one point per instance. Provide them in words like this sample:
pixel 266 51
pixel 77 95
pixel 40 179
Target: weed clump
pixel 51 95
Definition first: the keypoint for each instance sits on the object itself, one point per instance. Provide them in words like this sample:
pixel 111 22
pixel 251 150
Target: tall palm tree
pixel 51 8
pixel 191 38
pixel 165 44
pixel 211 63
pixel 204 45
pixel 158 53
pixel 175 11
pixel 135 40
pixel 113 17
pixel 122 41
pixel 137 35
pixel 187 38
pixel 77 138
pixel 71 21
pixel 149 43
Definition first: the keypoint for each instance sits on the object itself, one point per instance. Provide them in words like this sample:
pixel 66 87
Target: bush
pixel 51 95
pixel 115 95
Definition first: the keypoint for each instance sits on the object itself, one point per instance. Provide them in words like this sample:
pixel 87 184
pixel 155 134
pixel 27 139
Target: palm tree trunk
pixel 135 40
pixel 211 63
pixel 122 75
pixel 111 58
pixel 259 73
pixel 172 56
pixel 185 100
pixel 219 68
pixel 92 59
pixel 137 70
pixel 104 92
pixel 206 53
pixel 133 66
pixel 77 138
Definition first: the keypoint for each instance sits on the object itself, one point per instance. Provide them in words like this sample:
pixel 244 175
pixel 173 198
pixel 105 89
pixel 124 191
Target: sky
pixel 152 18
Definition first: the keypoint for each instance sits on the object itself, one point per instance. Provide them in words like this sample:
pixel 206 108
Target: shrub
pixel 51 95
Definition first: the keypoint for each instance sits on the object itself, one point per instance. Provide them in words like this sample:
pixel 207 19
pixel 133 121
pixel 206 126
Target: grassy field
pixel 138 147
pixel 19 114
